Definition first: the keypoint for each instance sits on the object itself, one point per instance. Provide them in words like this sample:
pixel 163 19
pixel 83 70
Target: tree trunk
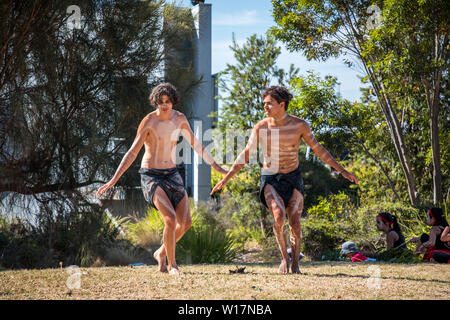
pixel 432 97
pixel 397 138
pixel 386 106
pixel 435 150
pixel 432 93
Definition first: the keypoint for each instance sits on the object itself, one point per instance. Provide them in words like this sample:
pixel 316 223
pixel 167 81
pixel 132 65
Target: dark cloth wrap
pixel 167 179
pixel 284 184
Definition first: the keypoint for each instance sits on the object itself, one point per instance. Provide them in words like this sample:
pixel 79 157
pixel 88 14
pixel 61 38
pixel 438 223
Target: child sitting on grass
pixel 349 250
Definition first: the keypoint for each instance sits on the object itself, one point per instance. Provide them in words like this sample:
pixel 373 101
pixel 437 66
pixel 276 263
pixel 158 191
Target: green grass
pixel 320 280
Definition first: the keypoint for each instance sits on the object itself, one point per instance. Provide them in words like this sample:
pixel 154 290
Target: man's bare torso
pixel 161 140
pixel 280 143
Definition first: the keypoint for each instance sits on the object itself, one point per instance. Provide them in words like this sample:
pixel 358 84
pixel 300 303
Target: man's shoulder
pixel 179 115
pixel 297 120
pixel 180 118
pixel 148 117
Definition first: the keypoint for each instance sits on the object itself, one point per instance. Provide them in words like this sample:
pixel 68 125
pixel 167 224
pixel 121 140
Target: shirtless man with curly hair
pixel 280 135
pixel 161 183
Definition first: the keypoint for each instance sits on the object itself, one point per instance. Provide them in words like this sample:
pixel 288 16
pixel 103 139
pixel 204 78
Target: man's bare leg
pixel 294 211
pixel 276 206
pixel 165 207
pixel 183 224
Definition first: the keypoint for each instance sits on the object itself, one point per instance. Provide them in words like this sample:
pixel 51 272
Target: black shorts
pixel 283 183
pixel 167 179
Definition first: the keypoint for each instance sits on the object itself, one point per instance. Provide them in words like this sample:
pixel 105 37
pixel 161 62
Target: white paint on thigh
pixel 162 201
pixel 276 198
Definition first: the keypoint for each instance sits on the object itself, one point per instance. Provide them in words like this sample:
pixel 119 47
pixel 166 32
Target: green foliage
pixel 247 180
pixel 206 244
pixel 398 256
pixel 206 241
pixel 336 220
pixel 146 231
pixel 79 239
pixel 319 181
pixel 242 216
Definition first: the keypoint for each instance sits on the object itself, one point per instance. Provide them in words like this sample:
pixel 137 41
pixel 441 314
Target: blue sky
pixel 246 17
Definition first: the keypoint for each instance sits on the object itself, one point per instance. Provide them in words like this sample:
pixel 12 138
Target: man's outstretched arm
pixel 323 153
pixel 199 147
pixel 241 160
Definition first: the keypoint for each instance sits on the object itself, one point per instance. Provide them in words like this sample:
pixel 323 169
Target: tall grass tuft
pixel 206 244
pixel 147 231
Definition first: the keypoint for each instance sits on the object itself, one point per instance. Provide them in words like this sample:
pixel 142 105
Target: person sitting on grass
pixel 439 255
pixel 388 224
pixel 431 246
pixel 349 250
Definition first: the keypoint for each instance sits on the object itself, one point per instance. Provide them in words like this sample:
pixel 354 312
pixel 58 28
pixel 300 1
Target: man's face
pixel 165 104
pixel 272 107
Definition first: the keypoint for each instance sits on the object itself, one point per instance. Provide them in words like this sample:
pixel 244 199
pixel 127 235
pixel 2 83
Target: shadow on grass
pixel 248 271
pixel 367 277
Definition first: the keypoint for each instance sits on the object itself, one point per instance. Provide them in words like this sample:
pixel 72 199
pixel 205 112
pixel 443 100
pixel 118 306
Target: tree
pixel 72 98
pixel 243 83
pixel 341 126
pixel 323 29
pixel 414 40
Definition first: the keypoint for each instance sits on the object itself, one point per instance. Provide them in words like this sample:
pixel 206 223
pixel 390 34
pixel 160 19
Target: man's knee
pixel 187 224
pixel 170 220
pixel 278 219
pixel 295 226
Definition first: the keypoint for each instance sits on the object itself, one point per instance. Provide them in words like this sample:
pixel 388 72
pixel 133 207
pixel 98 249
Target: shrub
pixel 336 220
pixel 206 244
pixel 73 238
pixel 147 231
pixel 242 217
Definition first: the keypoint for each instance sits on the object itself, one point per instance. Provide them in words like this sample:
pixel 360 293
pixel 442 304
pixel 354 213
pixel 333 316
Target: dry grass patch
pixel 320 280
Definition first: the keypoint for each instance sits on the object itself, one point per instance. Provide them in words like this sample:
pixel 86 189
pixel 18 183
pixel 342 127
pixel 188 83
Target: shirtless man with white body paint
pixel 280 135
pixel 161 183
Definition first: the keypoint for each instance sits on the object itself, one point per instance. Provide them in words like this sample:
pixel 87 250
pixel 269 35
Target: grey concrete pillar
pixel 202 98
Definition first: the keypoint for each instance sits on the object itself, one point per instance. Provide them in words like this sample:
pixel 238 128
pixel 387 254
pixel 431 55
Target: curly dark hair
pixel 279 94
pixel 167 89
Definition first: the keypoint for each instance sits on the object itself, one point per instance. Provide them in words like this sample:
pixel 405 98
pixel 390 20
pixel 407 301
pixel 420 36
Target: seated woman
pixel 388 224
pixel 432 246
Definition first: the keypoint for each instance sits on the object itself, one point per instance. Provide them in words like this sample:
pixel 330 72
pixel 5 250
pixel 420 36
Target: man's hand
pixel 220 185
pixel 105 187
pixel 349 176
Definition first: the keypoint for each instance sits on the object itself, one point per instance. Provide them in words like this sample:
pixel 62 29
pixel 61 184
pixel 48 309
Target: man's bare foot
pixel 175 271
pixel 284 267
pixel 295 269
pixel 161 258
